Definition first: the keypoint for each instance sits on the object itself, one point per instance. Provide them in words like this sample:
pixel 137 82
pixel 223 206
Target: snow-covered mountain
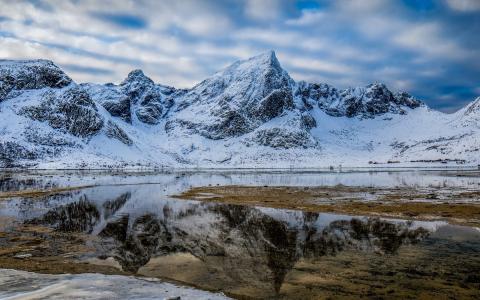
pixel 251 114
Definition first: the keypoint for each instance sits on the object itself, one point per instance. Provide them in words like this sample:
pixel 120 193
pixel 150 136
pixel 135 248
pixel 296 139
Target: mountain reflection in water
pixel 256 246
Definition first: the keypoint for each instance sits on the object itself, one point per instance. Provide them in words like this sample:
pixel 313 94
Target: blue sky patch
pixel 122 20
pixel 308 5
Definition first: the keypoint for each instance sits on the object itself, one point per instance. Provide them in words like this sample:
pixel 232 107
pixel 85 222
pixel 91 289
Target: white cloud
pixel 401 85
pixel 273 37
pixel 426 38
pixel 363 6
pixel 263 9
pixel 308 18
pixel 464 5
pixel 317 65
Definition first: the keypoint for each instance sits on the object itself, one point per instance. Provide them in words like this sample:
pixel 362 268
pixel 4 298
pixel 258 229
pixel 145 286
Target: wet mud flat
pixel 254 242
pixel 455 205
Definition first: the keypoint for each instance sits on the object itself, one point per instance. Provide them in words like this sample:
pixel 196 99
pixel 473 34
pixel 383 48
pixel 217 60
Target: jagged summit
pixel 238 99
pixel 137 76
pixel 262 62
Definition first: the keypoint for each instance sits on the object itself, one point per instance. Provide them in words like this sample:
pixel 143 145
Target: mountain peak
pixel 238 99
pixel 137 75
pixel 265 60
pixel 377 85
pixel 30 74
pixel 267 56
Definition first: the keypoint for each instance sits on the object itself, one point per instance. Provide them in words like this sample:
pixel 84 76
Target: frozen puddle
pixel 26 285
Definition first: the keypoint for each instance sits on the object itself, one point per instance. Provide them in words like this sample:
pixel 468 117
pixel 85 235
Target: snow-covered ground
pixel 23 285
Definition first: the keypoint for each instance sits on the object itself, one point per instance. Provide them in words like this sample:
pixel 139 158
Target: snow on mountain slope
pixel 251 114
pixel 235 100
pixel 136 100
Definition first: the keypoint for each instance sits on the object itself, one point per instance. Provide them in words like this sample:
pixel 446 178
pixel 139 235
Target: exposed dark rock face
pixel 313 94
pixel 376 100
pixel 37 137
pixel 30 74
pixel 231 124
pixel 112 99
pixel 405 99
pixel 120 108
pixel 11 151
pixel 137 83
pixel 283 138
pixel 72 111
pixel 373 100
pixel 308 122
pixel 115 132
pixel 274 104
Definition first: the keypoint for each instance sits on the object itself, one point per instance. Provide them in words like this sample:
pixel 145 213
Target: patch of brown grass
pixel 323 199
pixel 39 193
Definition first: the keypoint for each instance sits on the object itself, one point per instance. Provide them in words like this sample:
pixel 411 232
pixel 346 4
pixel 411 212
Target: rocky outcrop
pixel 145 97
pixel 316 95
pixel 30 74
pixel 369 102
pixel 11 151
pixel 71 111
pixel 38 137
pixel 282 138
pixel 115 132
pixel 112 99
pixel 137 97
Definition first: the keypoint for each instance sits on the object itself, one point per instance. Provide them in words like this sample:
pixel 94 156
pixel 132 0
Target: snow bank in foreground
pixel 26 285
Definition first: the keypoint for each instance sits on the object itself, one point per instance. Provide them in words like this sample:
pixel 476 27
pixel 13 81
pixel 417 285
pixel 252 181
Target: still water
pixel 130 223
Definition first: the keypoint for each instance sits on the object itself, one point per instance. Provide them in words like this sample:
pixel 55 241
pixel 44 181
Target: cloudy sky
pixel 430 48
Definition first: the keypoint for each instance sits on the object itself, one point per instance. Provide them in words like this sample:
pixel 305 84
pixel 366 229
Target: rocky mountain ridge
pixel 250 114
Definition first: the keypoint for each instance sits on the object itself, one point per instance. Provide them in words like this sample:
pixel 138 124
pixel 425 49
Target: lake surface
pixel 129 223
